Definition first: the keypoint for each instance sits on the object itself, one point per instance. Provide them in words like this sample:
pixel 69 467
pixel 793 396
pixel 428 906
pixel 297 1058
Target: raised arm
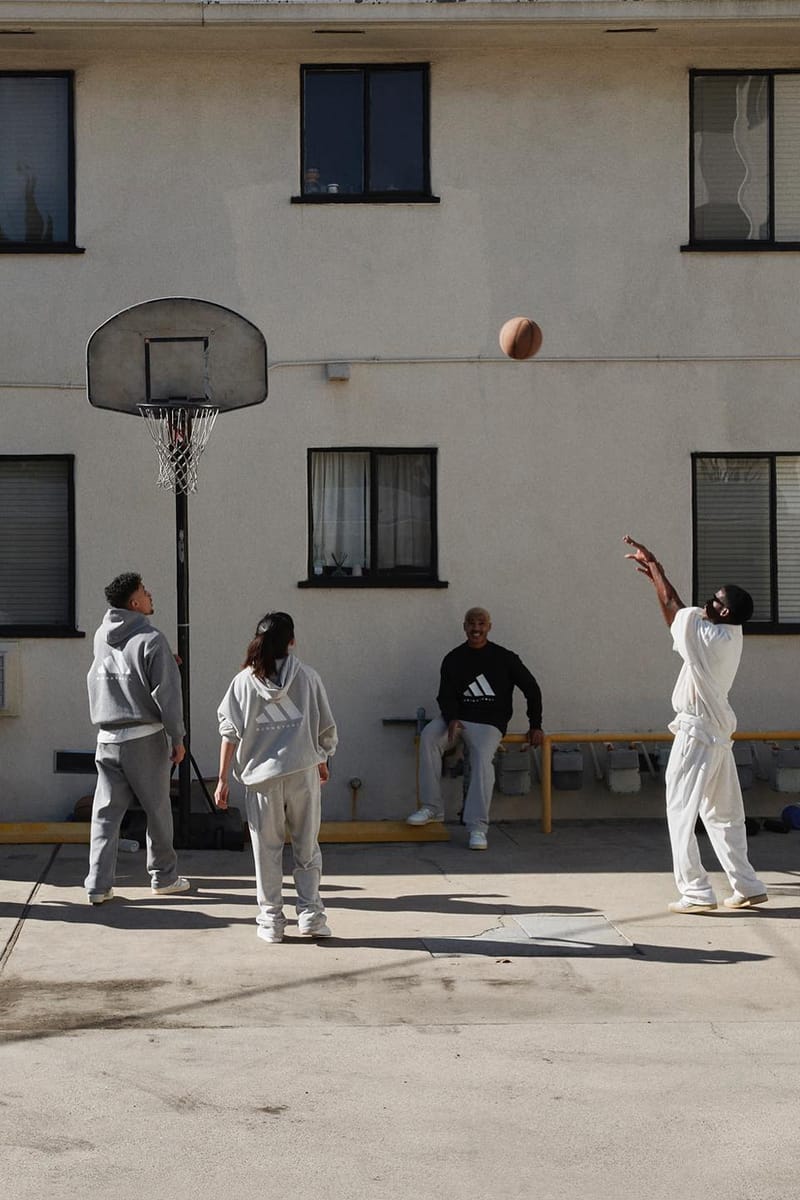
pixel 648 564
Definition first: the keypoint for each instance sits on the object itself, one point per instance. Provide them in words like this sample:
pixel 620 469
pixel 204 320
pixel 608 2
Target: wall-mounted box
pixel 10 680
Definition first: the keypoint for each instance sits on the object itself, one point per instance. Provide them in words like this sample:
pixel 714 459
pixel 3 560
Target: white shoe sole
pixel 747 902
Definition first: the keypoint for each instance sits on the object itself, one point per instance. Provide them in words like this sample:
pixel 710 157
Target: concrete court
pixel 155 1047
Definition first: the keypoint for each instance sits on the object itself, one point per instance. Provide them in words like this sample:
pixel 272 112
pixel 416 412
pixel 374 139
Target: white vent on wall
pixel 9 679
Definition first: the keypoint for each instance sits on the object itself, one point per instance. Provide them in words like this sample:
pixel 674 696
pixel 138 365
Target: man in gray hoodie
pixel 135 701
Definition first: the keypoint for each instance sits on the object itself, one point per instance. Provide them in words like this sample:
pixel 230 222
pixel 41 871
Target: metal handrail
pixel 550 739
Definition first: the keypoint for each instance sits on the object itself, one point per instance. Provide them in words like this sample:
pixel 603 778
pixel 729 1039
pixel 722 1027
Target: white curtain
pixel 404 511
pixel 340 507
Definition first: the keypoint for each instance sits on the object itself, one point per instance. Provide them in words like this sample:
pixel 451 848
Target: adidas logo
pixel 112 667
pixel 480 688
pixel 282 712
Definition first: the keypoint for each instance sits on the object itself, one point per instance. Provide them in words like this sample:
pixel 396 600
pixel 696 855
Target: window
pixel 745 160
pixel 37 546
pixel 365 133
pixel 372 517
pixel 747 531
pixel 36 162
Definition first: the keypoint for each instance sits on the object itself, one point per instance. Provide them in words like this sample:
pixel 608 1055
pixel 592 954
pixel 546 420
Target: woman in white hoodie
pixel 278 731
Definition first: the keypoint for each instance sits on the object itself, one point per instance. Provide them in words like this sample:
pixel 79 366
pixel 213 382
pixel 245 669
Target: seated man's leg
pixel 146 763
pixel 433 742
pixel 482 741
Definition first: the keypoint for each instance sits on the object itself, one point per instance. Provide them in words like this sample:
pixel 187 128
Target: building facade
pixel 378 187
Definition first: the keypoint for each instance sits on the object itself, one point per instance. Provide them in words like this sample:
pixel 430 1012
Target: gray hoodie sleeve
pixel 328 736
pixel 165 687
pixel 230 717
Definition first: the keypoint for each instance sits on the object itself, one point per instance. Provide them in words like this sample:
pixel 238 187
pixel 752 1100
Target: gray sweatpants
pixel 482 741
pixel 137 769
pixel 293 801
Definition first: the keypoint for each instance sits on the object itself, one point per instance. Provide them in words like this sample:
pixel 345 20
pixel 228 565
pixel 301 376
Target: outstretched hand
pixel 641 556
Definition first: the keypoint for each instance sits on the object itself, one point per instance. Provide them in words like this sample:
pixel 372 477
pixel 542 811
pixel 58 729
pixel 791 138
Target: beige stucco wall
pixel 563 185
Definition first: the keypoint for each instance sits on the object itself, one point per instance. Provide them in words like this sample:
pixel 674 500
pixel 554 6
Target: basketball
pixel 520 337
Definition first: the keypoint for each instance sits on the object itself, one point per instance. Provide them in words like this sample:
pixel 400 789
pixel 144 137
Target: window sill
pixel 764 629
pixel 738 247
pixel 40 248
pixel 39 631
pixel 376 198
pixel 370 581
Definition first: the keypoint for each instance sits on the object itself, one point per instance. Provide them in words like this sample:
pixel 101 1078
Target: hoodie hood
pixel 119 624
pixel 271 690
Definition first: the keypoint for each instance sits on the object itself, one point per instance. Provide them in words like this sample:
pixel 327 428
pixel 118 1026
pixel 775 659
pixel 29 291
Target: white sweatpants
pixel 701 780
pixel 291 801
pixel 482 741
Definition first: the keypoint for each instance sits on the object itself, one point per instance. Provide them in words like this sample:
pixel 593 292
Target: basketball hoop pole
pixel 182 592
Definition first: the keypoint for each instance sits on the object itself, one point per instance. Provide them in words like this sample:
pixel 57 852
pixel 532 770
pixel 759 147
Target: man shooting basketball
pixel 135 700
pixel 701 778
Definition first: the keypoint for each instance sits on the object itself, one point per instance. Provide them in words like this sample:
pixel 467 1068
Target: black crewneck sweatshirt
pixel 478 685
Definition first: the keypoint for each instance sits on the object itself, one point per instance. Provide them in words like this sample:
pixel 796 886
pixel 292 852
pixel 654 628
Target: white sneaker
pixel 100 897
pixel 478 840
pixel 737 900
pixel 270 933
pixel 178 885
pixel 315 925
pixel 685 905
pixel 423 815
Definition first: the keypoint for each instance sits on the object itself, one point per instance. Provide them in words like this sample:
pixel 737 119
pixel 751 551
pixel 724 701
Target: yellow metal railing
pixel 551 739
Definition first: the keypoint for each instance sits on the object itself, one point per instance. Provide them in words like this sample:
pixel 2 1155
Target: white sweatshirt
pixel 278 728
pixel 711 655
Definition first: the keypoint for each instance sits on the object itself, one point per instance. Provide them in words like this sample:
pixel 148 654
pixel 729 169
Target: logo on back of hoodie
pixel 113 666
pixel 281 713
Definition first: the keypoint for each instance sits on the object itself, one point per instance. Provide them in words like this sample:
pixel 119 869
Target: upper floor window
pixel 747 532
pixel 37 546
pixel 365 133
pixel 745 160
pixel 372 517
pixel 36 161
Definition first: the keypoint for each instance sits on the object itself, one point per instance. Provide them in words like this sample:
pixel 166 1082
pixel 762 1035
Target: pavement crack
pixel 8 949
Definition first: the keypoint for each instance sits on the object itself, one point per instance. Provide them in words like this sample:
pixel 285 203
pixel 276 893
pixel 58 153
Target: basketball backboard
pixel 176 348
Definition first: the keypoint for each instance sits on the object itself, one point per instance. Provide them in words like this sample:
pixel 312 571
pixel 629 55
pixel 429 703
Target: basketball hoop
pixel 180 431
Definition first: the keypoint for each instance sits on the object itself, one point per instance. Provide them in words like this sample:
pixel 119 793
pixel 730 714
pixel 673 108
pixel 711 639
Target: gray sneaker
pixel 315 925
pixel 424 815
pixel 169 889
pixel 271 933
pixel 100 897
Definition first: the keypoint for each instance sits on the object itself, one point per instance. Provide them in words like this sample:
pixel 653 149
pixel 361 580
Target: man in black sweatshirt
pixel 476 695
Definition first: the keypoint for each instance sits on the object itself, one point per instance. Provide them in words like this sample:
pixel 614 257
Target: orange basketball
pixel 520 337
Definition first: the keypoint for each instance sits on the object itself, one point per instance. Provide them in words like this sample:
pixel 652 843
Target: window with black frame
pixel 372 517
pixel 747 531
pixel 37 546
pixel 36 162
pixel 745 160
pixel 365 133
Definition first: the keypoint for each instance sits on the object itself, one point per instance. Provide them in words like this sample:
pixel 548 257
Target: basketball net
pixel 181 433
